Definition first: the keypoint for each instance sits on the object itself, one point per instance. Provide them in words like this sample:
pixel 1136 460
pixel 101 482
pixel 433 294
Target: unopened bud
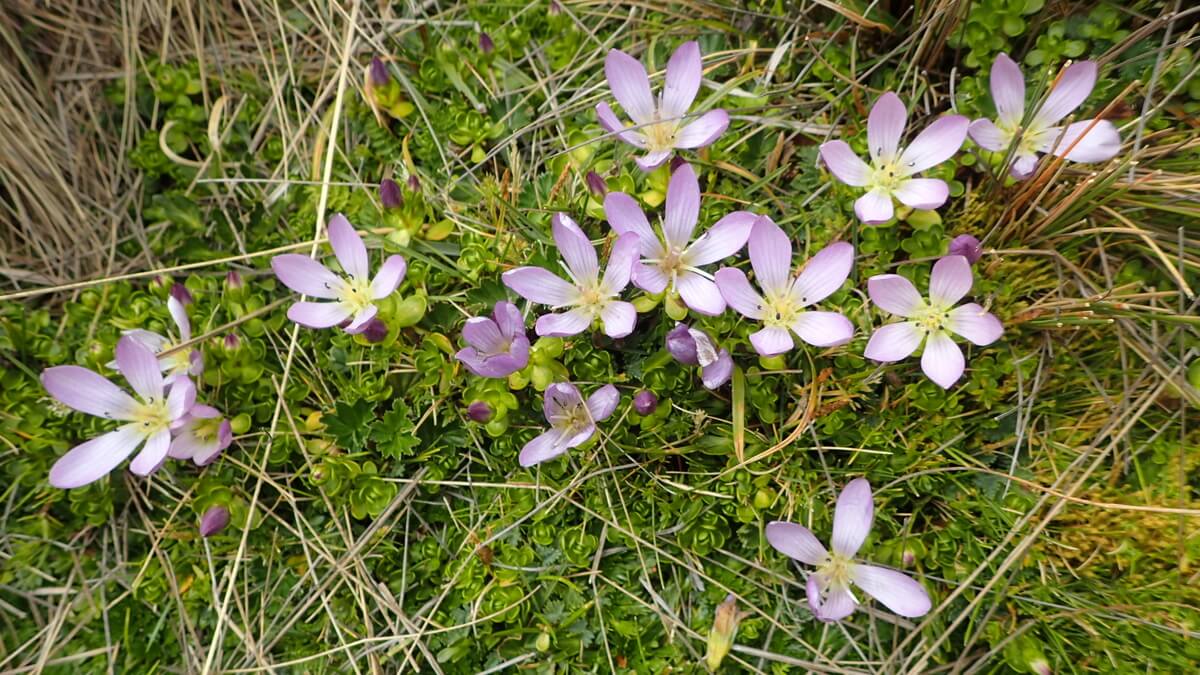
pixel 379 72
pixel 908 558
pixel 233 280
pixel 1040 667
pixel 181 293
pixel 485 43
pixel 724 628
pixel 414 183
pixel 596 184
pixel 214 520
pixel 555 8
pixel 389 194
pixel 645 402
pixel 232 342
pixel 479 411
pixel 375 331
pixel 966 246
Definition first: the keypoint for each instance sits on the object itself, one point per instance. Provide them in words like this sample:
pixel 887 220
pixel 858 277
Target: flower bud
pixel 479 411
pixel 966 246
pixel 485 43
pixel 233 280
pixel 232 342
pixel 1040 667
pixel 596 184
pixel 379 72
pixel 724 628
pixel 181 293
pixel 414 183
pixel 214 520
pixel 645 402
pixel 389 194
pixel 908 557
pixel 555 8
pixel 375 331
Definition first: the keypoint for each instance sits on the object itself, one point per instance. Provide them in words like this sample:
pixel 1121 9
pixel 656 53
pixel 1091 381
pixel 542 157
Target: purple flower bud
pixel 379 72
pixel 644 402
pixel 555 8
pixel 677 162
pixel 485 43
pixel 214 520
pixel 389 194
pixel 375 331
pixel 1040 667
pixel 414 183
pixel 479 411
pixel 232 342
pixel 908 557
pixel 966 246
pixel 233 280
pixel 596 184
pixel 181 293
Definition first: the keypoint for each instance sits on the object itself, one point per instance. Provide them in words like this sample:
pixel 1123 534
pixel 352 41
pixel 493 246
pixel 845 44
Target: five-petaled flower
pixel 202 436
pixel 497 347
pixel 781 307
pixel 931 322
pixel 148 419
pixel 572 420
pixel 693 347
pixel 588 295
pixel 660 128
pixel 1085 141
pixel 180 362
pixel 891 171
pixel 828 588
pixel 354 295
pixel 672 262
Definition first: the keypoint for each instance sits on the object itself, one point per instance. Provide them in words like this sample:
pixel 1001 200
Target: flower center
pixel 572 420
pixel 834 572
pixel 932 319
pixel 660 135
pixel 179 362
pixel 779 311
pixel 356 293
pixel 207 430
pixel 888 174
pixel 151 417
pixel 593 296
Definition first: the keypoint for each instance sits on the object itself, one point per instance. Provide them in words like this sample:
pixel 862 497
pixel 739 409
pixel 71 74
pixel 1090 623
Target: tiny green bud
pixel 410 311
pixel 240 424
pixel 543 642
pixel 675 307
pixel 720 636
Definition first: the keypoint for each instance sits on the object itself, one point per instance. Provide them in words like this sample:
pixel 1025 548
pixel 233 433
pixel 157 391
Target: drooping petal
pixel 608 120
pixel 838 603
pixel 182 398
pixel 988 135
pixel 950 280
pixel 823 274
pixel 896 590
pixel 700 294
pixel 704 130
pixel 349 248
pixel 770 256
pixel 89 462
pixel 885 126
pixel 618 318
pixel 1024 165
pixel 894 342
pixel 560 400
pixel 1088 141
pixel 975 323
pixel 649 277
pixel 771 341
pixel 630 85
pixel 576 249
pixel 844 164
pixel 796 542
pixel 1008 91
pixel 652 160
pixel 319 314
pixel 305 275
pixel 738 292
pixel 718 372
pixel 359 323
pixel 544 447
pixel 823 329
pixel 683 80
pixel 624 215
pixel 140 368
pixel 874 207
pixel 152 454
pixel 625 253
pixel 484 335
pixel 1072 90
pixel 88 392
pixel 508 319
pixel 603 402
pixel 722 240
pixel 185 445
pixel 852 517
pixel 923 193
pixel 541 286
pixel 895 294
pixel 683 207
pixel 565 324
pixel 179 315
pixel 942 361
pixel 936 144
pixel 389 276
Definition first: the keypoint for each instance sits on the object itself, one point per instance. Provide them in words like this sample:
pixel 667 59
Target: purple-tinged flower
pixel 966 246
pixel 693 347
pixel 148 419
pixel 890 173
pixel 1085 141
pixel 572 421
pixel 596 184
pixel 479 411
pixel 179 363
pixel 233 280
pixel 781 306
pixel 645 402
pixel 378 71
pixel 182 294
pixel 389 194
pixel 829 593
pixel 204 433
pixel 659 124
pixel 354 295
pixel 213 521
pixel 588 296
pixel 672 261
pixel 497 346
pixel 485 43
pixel 931 322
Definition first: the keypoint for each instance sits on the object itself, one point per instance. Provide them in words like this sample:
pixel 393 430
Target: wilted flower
pixel 589 296
pixel 936 319
pixel 378 72
pixel 781 307
pixel 596 184
pixel 645 402
pixel 497 346
pixel 181 362
pixel 572 421
pixel 354 295
pixel 828 588
pixel 389 194
pixel 1085 141
pixel 966 246
pixel 202 436
pixel 891 171
pixel 479 411
pixel 148 419
pixel 659 125
pixel 214 520
pixel 720 636
pixel 671 262
pixel 693 347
